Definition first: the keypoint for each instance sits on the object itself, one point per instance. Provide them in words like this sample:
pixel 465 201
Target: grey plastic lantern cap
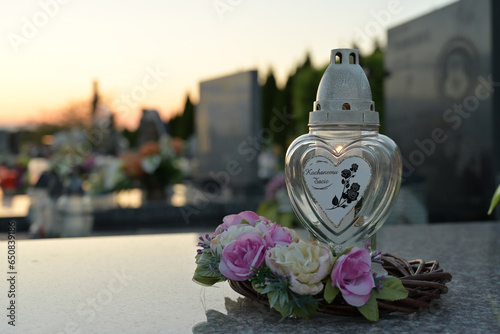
pixel 344 95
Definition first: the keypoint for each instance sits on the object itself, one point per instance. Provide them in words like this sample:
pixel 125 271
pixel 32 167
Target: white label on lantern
pixel 337 189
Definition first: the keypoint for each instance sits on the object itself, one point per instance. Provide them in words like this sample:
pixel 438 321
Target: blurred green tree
pixel 373 64
pixel 182 126
pixel 270 95
pixel 285 103
pixel 131 136
pixel 304 88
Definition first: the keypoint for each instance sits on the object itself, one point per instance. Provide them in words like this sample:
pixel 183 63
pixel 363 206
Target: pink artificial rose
pixel 236 219
pixel 241 255
pixel 352 275
pixel 231 220
pixel 276 234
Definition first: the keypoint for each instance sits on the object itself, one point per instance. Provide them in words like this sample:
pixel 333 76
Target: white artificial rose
pixel 294 234
pixel 306 263
pixel 223 239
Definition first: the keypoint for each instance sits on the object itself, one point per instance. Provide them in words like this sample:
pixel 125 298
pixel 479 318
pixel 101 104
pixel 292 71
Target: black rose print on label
pixel 350 192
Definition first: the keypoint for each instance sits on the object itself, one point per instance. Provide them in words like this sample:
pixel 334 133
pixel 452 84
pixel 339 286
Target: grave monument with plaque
pixel 442 106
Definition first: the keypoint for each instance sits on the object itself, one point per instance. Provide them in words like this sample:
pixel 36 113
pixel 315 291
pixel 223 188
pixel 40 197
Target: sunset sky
pixel 152 53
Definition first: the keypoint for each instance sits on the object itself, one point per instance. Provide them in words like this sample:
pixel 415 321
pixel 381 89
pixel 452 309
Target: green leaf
pixel 203 258
pixel 347 250
pixel 285 311
pixel 256 285
pixel 273 297
pixel 207 281
pixel 244 222
pixel 370 309
pixel 304 306
pixel 270 288
pixel 336 256
pixel 197 258
pixel 203 274
pixel 494 200
pixel 330 291
pixel 260 274
pixel 284 299
pixel 393 290
pixel 308 310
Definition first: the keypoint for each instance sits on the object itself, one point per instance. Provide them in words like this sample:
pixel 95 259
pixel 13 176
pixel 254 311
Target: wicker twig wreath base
pixel 424 281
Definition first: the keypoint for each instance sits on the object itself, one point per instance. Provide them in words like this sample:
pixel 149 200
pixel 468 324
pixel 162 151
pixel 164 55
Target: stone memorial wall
pixel 441 100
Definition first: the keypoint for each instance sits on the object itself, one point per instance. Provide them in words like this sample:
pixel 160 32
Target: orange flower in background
pixel 178 145
pixel 132 165
pixel 149 148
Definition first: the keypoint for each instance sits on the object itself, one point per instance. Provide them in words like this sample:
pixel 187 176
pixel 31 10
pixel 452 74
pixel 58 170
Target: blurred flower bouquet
pixel 295 275
pixel 155 166
pixel 12 179
pixel 106 174
pixel 277 205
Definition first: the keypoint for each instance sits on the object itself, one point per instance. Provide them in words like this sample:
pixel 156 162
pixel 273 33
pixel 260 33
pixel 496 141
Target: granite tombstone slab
pixel 441 107
pixel 228 126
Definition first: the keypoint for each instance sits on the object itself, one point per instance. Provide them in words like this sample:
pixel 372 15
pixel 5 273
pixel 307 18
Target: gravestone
pixel 229 130
pixel 9 141
pixel 151 127
pixel 105 139
pixel 442 108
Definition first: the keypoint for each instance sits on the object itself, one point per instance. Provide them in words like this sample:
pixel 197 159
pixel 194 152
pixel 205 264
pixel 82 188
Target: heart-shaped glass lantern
pixel 343 176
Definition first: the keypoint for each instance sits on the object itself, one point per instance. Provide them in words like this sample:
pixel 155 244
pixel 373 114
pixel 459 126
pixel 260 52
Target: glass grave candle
pixel 343 176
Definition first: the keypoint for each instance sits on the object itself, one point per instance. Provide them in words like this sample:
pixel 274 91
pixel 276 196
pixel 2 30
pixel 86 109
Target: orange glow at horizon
pixel 157 52
pixel 18 110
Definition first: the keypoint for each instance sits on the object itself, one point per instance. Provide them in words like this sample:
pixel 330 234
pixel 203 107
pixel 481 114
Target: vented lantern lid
pixel 344 95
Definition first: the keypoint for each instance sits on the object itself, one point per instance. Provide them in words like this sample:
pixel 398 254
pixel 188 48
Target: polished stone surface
pixel 142 284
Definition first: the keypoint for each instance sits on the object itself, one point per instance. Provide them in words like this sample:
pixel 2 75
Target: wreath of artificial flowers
pixel 295 275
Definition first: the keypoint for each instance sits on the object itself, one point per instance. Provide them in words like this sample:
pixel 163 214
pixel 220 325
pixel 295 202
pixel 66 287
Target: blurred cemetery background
pixel 433 83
